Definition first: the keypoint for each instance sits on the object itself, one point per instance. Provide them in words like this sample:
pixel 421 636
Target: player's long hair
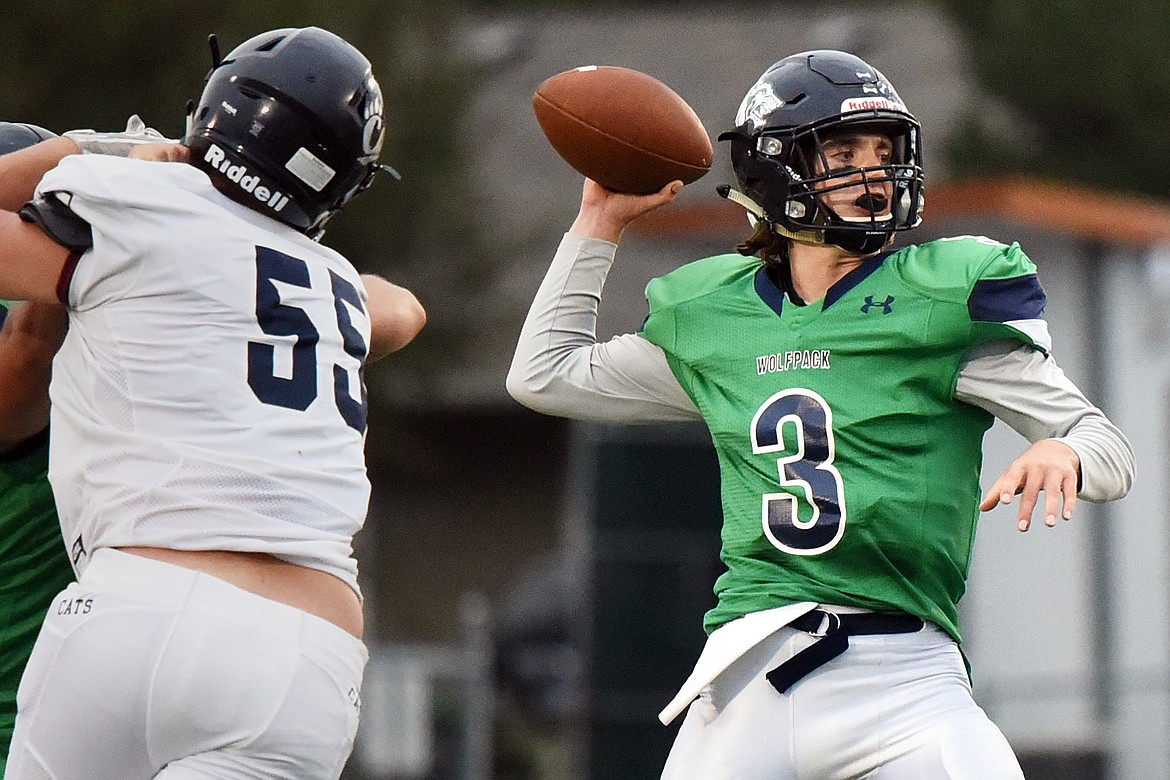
pixel 765 244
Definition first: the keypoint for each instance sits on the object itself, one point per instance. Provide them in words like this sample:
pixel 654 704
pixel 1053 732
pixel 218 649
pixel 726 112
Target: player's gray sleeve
pixel 559 368
pixel 1027 390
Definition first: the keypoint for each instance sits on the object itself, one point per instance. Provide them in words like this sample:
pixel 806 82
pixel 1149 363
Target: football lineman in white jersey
pixel 208 426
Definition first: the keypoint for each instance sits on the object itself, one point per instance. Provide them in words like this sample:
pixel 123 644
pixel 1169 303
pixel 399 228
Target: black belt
pixel 837 628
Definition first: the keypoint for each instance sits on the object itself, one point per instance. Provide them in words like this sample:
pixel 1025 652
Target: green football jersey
pixel 850 474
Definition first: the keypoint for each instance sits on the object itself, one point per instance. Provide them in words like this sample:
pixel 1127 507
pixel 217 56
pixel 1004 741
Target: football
pixel 622 128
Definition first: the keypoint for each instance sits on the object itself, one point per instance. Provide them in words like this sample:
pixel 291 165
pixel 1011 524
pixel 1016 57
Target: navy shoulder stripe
pixel 1007 300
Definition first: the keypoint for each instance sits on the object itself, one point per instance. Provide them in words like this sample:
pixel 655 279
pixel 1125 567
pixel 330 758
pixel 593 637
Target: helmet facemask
pixel 795 184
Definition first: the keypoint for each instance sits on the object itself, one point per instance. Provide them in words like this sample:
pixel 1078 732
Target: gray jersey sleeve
pixel 1028 391
pixel 559 368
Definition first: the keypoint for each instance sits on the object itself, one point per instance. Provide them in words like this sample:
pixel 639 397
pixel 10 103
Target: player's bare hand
pixel 605 214
pixel 161 152
pixel 1049 466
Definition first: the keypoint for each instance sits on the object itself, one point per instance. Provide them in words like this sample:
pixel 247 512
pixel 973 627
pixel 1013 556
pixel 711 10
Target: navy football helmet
pixel 290 123
pixel 776 150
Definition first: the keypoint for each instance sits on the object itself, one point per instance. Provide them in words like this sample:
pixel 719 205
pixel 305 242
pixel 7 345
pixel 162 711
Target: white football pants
pixel 147 670
pixel 892 707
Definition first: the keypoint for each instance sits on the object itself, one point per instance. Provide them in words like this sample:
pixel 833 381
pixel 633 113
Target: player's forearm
pixel 560 369
pixel 21 171
pixel 39 329
pixel 396 316
pixel 596 223
pixel 31 335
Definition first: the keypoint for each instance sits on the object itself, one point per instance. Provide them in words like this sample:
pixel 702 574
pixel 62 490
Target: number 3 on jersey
pixel 276 318
pixel 811 482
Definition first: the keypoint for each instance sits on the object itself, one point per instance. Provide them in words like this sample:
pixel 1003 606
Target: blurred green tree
pixel 1090 82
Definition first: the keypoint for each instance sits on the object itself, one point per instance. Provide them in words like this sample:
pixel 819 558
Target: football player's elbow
pixel 412 319
pixel 526 387
pixel 516 385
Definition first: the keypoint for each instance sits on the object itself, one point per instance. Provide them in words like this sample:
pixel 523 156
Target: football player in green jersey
pixel 847 387
pixel 34 565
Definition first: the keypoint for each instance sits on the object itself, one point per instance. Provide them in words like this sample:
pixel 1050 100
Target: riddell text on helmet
pixel 868 103
pixel 239 175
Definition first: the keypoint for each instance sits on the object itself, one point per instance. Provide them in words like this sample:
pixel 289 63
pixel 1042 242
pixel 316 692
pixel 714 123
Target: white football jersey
pixel 209 392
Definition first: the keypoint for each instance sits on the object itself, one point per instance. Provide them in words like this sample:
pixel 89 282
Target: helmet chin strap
pixel 852 241
pixel 756 214
pixel 814 237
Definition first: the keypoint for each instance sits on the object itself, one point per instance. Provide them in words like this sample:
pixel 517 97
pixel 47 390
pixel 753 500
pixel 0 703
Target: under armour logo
pixel 887 305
